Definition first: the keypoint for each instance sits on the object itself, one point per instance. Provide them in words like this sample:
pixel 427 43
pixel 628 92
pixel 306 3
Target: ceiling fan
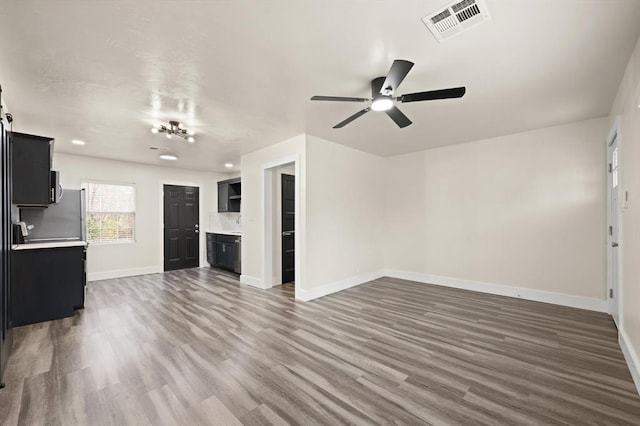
pixel 382 95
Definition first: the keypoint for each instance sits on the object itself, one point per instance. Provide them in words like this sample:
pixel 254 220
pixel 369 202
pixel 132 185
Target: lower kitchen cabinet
pixel 223 251
pixel 47 283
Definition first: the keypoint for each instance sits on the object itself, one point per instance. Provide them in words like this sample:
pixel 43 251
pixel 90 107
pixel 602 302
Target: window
pixel 111 211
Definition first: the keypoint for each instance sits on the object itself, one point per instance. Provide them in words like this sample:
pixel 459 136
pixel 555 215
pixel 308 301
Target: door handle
pixel 288 233
pixel 614 244
pixel 197 231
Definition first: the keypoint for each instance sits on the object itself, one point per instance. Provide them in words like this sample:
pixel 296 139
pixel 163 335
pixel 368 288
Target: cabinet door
pixel 211 250
pixel 223 197
pixel 229 259
pixel 221 254
pixel 46 284
pixel 31 170
pixel 233 256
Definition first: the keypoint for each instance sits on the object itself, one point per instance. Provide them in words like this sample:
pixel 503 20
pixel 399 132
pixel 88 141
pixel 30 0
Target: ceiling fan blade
pixel 350 119
pixel 397 73
pixel 398 117
pixel 338 99
pixel 456 92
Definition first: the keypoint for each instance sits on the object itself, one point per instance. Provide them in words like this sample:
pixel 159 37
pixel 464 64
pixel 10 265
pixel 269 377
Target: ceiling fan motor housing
pixel 376 88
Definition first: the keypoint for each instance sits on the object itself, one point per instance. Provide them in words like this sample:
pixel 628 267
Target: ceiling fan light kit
pixel 174 128
pixel 382 95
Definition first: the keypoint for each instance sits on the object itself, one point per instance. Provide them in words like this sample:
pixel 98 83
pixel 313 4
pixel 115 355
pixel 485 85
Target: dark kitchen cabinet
pixel 222 255
pixel 48 283
pixel 32 158
pixel 223 251
pixel 210 249
pixel 229 195
pixel 6 337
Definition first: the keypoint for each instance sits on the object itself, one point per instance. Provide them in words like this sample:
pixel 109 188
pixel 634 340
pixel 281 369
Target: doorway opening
pixel 282 229
pixel 614 247
pixel 181 206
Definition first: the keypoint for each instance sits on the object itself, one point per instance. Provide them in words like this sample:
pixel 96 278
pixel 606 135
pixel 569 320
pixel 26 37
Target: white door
pixel 613 206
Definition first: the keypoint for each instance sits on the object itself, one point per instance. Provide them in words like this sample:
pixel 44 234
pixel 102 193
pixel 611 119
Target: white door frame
pixel 267 215
pixel 614 135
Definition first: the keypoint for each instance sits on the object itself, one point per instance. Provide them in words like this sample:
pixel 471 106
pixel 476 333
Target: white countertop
pixel 235 233
pixel 52 244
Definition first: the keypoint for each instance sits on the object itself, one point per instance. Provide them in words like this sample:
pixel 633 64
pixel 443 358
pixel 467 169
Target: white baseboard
pixel 252 281
pixel 592 304
pixel 630 355
pixel 122 273
pixel 306 295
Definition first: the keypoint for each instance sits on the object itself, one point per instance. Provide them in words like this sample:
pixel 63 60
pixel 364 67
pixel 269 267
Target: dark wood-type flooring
pixel 195 347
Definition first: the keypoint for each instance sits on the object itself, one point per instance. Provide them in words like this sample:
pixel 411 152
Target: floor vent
pixel 456 18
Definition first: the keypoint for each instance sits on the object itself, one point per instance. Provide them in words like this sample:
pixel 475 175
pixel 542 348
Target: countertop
pixel 234 233
pixel 51 244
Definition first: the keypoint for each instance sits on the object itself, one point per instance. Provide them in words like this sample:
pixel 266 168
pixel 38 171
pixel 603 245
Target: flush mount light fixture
pixel 169 157
pixel 78 142
pixel 382 104
pixel 228 165
pixel 174 128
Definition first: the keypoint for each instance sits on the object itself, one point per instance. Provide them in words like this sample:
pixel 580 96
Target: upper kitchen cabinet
pixel 32 157
pixel 229 195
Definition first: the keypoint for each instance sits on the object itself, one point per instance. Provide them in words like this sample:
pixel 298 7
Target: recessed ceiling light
pixel 168 157
pixel 228 165
pixel 78 142
pixel 190 139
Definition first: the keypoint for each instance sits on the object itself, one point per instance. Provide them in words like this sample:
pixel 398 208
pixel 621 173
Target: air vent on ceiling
pixel 456 18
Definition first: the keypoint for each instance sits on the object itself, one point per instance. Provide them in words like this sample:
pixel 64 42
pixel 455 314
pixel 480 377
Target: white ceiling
pixel 241 72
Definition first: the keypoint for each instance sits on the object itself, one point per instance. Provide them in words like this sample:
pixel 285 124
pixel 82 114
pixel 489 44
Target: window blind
pixel 110 212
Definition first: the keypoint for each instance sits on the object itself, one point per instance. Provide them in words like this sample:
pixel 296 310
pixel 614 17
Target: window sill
pixel 110 243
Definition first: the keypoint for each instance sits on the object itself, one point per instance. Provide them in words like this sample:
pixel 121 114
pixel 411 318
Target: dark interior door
pixel 288 228
pixel 181 227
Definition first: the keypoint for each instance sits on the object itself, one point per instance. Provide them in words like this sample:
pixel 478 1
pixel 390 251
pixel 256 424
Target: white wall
pixel 338 240
pixel 627 108
pixel 345 216
pixel 145 255
pixel 525 210
pixel 254 228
